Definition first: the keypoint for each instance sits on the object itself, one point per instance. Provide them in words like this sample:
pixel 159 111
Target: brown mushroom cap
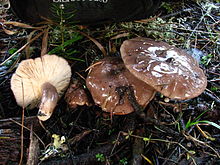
pixel 76 95
pixel 44 78
pixel 166 68
pixel 105 81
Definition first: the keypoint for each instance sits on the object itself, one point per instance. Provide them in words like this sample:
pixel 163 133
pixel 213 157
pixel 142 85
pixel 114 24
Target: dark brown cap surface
pixel 108 82
pixel 168 69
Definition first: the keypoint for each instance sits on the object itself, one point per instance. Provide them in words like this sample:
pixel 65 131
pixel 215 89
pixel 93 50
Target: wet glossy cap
pixel 109 82
pixel 168 69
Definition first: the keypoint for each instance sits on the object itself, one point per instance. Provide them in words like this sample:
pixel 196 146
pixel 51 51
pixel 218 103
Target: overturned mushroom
pixel 41 81
pixel 112 85
pixel 76 95
pixel 166 68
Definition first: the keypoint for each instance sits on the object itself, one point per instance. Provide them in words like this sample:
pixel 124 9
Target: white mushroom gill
pixel 44 78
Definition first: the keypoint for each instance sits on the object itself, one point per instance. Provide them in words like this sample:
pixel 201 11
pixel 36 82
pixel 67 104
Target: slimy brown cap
pixel 169 70
pixel 105 81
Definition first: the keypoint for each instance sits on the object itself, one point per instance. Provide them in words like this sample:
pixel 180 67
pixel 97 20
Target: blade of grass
pixel 210 123
pixel 65 44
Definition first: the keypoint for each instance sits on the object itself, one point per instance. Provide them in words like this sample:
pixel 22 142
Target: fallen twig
pixel 210 95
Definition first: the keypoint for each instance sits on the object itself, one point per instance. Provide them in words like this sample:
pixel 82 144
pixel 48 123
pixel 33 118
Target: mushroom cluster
pixel 119 85
pixel 41 82
pixel 148 66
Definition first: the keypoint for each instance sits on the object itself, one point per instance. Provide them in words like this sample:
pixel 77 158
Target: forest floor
pixel 173 132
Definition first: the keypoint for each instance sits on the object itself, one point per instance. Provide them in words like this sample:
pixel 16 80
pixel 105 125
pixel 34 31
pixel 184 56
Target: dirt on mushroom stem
pixel 48 101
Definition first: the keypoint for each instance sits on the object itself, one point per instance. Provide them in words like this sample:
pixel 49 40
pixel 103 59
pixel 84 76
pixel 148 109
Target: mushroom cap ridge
pixel 168 69
pixel 26 82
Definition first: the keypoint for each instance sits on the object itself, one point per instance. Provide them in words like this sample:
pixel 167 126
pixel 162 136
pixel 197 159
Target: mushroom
pixel 41 81
pixel 76 95
pixel 112 85
pixel 168 69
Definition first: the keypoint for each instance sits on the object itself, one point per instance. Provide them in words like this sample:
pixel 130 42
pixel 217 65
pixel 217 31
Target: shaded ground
pixel 174 132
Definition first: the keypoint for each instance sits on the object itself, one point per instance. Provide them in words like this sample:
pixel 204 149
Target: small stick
pixel 22 129
pixel 44 42
pixel 215 98
pixel 28 130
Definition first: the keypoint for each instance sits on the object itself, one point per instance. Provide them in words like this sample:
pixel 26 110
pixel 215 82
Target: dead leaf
pixel 120 36
pixel 44 42
pixel 27 49
pixel 101 48
pixel 22 25
pixel 9 32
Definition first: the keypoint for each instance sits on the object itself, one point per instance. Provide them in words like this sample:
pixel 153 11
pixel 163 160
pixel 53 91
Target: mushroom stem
pixel 48 101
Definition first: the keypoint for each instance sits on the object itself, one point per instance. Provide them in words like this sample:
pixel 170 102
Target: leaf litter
pixel 169 131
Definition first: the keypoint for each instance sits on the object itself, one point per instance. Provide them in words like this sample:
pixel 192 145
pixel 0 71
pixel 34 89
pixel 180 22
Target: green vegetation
pixel 206 59
pixel 167 6
pixel 100 157
pixel 123 161
pixel 197 121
